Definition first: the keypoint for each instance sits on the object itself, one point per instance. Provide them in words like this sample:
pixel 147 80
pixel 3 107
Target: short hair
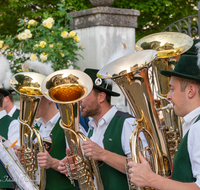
pixel 108 97
pixel 1 100
pixel 11 96
pixel 184 82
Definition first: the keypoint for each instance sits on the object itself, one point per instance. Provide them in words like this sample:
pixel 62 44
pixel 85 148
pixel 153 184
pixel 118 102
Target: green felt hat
pixel 4 92
pixel 192 50
pixel 186 68
pixel 100 84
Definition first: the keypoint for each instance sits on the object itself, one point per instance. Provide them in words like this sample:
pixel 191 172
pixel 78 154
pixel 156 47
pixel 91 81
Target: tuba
pixel 132 73
pixel 66 88
pixel 28 85
pixel 168 45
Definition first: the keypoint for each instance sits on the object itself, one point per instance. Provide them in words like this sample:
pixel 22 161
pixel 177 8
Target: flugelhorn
pixel 66 88
pixel 28 85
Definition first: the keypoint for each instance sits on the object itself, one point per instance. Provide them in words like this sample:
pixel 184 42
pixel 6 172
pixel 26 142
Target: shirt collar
pixel 12 111
pixel 2 113
pixel 105 119
pixel 191 117
pixel 52 121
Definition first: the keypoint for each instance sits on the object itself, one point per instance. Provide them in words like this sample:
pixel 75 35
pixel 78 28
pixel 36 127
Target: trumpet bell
pixel 167 44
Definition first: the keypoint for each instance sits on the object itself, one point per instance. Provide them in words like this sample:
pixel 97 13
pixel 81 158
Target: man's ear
pixel 102 96
pixel 192 90
pixel 6 98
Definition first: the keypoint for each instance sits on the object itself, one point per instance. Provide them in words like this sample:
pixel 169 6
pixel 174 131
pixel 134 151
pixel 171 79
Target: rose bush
pixel 49 41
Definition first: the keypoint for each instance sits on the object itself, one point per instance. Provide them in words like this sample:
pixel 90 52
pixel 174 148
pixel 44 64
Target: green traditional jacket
pixel 182 169
pixel 5 181
pixel 16 114
pixel 54 179
pixel 112 178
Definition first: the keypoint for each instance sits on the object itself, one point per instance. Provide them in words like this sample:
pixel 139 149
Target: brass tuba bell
pixel 66 88
pixel 28 85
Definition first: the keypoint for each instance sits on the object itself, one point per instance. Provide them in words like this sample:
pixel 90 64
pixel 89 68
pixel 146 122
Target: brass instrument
pixel 168 45
pixel 131 74
pixel 66 88
pixel 28 85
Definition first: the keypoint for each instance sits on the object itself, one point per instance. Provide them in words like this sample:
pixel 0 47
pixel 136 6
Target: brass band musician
pixel 109 134
pixel 55 144
pixel 9 129
pixel 185 95
pixel 9 106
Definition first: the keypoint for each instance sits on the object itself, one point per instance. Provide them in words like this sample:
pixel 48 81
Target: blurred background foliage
pixel 155 15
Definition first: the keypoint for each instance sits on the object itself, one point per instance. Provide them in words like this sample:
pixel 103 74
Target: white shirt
pixel 193 141
pixel 45 129
pixel 45 132
pixel 12 111
pixel 128 126
pixel 13 129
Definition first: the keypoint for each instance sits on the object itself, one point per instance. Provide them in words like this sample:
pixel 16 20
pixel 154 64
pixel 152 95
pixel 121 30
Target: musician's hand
pixel 16 149
pixel 44 159
pixel 140 173
pixel 92 150
pixel 62 167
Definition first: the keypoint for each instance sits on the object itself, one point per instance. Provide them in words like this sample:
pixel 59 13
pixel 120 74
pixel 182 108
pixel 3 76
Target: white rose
pixel 42 44
pixel 49 25
pixel 23 35
pixel 50 20
pixel 65 34
pixel 44 23
pixel 43 57
pixel 29 35
pixel 31 22
pixel 19 37
pixel 27 31
pixel 33 57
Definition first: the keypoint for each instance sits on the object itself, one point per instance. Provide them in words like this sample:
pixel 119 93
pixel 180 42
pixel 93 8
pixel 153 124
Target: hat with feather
pixel 104 85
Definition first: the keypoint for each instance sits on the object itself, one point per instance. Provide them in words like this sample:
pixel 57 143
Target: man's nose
pixel 169 96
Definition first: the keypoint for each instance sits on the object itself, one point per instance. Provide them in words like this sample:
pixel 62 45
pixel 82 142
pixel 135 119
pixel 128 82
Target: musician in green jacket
pixel 185 95
pixel 55 145
pixel 9 129
pixel 109 134
pixel 8 105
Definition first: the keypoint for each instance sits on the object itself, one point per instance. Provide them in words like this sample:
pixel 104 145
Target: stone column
pixel 104 33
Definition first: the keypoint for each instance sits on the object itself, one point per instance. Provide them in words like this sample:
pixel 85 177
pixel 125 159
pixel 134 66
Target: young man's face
pixel 43 107
pixel 177 97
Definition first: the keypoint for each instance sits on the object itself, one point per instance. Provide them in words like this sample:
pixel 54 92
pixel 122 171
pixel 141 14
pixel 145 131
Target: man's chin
pixel 83 115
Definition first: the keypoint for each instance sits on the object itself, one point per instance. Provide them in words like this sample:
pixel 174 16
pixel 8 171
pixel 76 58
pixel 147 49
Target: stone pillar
pixel 104 32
